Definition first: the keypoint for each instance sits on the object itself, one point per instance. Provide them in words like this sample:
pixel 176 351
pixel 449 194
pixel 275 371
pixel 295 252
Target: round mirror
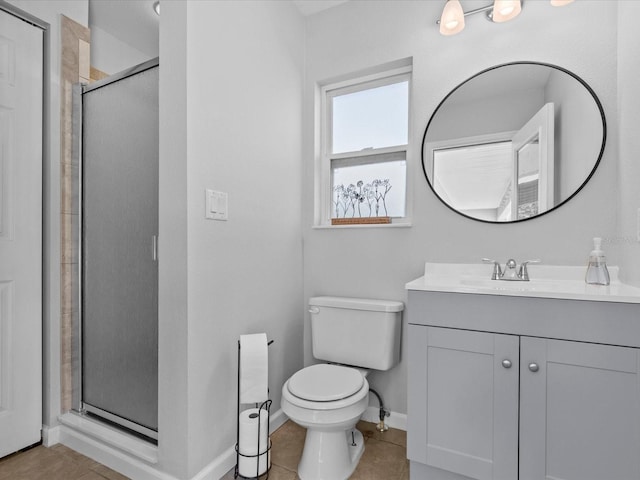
pixel 513 142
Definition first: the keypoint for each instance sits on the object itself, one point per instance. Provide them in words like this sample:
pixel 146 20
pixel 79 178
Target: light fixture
pixel 156 7
pixel 452 19
pixel 505 10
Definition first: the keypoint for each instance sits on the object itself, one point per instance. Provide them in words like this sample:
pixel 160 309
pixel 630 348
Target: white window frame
pixel 323 192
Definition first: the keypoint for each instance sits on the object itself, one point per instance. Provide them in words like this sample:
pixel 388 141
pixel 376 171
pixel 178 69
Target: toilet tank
pixel 356 331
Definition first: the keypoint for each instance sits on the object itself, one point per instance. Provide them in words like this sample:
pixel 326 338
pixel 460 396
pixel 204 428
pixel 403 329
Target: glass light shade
pixel 156 7
pixel 504 10
pixel 560 3
pixel 452 19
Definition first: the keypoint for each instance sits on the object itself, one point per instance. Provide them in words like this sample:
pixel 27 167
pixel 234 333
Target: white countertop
pixel 546 281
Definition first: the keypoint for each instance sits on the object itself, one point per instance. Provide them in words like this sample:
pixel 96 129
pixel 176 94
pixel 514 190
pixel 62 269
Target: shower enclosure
pixel 116 334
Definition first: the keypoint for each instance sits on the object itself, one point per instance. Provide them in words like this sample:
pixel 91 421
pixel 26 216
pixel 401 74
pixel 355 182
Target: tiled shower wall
pixel 75 67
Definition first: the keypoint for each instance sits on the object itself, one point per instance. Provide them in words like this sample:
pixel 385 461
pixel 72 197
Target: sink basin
pixel 546 281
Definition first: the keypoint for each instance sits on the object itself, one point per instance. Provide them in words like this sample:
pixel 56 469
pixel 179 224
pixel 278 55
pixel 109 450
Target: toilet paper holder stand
pixel 263 407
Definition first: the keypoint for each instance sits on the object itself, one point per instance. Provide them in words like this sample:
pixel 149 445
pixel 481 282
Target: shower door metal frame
pixel 77 403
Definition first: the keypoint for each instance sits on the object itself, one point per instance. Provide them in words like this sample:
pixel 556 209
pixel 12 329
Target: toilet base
pixel 330 455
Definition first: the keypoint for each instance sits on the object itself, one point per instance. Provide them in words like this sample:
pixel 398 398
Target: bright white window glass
pixel 372 118
pixel 389 204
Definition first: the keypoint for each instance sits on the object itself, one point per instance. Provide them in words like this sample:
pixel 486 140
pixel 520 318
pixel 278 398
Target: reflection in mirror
pixel 513 142
pixel 528 180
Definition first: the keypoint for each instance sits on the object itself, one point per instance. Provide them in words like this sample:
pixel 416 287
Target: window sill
pixel 400 224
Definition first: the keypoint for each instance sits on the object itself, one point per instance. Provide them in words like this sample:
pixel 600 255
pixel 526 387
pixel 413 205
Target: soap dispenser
pixel 597 273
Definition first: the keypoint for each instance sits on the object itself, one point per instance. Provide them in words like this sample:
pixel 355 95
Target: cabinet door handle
pixel 534 367
pixel 506 363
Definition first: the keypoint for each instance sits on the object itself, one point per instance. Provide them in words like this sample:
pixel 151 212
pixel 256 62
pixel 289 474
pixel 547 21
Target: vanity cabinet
pixel 494 405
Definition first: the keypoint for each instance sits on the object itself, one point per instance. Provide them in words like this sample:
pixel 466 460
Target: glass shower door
pixel 119 251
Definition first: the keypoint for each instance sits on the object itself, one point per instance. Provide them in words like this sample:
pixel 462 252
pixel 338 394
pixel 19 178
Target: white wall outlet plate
pixel 216 205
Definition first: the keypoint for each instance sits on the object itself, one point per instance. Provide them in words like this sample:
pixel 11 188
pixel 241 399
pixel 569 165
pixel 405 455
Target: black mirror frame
pixel 595 166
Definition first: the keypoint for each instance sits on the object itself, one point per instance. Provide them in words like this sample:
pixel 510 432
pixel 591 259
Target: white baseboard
pixel 225 462
pixel 50 435
pixel 277 420
pixel 395 420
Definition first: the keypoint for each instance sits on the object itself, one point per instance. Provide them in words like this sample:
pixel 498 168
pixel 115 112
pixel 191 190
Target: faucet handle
pixel 497 270
pixel 523 273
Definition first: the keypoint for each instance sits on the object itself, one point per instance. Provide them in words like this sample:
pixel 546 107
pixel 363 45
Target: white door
pixel 20 234
pixel 579 411
pixel 533 165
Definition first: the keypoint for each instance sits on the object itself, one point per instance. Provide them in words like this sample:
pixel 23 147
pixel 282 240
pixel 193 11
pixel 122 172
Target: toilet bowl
pixel 328 400
pixel 356 335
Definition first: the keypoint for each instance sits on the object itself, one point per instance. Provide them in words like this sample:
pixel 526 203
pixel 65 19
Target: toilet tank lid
pixel 357 304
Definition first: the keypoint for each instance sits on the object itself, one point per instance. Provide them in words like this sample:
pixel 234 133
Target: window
pixel 363 161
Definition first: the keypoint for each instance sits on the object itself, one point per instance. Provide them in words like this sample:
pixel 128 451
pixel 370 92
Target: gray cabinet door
pixel 463 402
pixel 580 411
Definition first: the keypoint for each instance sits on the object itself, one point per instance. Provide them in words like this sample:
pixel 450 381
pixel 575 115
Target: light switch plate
pixel 216 205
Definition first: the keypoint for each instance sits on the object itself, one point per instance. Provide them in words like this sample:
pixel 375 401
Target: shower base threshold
pixel 106 434
pixel 116 421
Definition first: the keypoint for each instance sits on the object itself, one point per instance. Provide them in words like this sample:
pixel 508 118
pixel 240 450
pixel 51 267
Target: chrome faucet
pixel 510 272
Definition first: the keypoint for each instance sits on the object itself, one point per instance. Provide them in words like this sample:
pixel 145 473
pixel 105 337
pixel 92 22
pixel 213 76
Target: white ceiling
pixel 309 7
pixel 135 23
pixel 132 21
pixel 513 79
pixel 474 177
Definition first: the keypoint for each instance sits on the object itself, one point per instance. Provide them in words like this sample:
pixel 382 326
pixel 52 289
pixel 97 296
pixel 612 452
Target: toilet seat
pixel 325 383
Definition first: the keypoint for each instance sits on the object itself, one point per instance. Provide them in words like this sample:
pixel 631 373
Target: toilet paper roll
pixel 247 465
pixel 254 368
pixel 249 421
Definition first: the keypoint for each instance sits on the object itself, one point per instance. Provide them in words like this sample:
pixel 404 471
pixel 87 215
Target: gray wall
pixel 629 140
pixel 578 130
pixel 356 35
pixel 230 103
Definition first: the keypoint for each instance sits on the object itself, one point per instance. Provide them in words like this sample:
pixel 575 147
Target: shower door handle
pixel 154 248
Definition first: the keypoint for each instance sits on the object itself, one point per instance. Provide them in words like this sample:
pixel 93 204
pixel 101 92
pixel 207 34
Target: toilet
pixel 354 335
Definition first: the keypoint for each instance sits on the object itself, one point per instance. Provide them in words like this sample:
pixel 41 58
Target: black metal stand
pixel 263 409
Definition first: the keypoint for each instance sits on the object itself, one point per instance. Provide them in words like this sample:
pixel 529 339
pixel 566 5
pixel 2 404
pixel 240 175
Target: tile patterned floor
pixel 384 455
pixel 384 458
pixel 54 463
